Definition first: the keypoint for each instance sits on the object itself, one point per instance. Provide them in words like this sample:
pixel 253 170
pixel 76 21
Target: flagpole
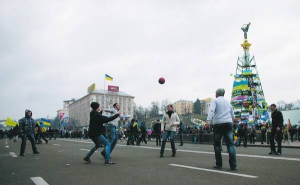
pixel 104 94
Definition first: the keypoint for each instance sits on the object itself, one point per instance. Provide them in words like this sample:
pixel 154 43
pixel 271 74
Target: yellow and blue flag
pixel 46 122
pixel 109 78
pixel 11 123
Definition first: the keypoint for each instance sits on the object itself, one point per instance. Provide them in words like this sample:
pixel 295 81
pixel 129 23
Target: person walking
pixel 16 133
pixel 96 129
pixel 276 131
pixel 143 132
pixel 26 126
pixel 181 129
pixel 157 132
pixel 263 133
pixel 170 122
pixel 222 113
pixel 112 133
pixel 252 134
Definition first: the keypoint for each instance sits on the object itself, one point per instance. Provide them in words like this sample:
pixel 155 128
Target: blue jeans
pixel 226 130
pixel 100 140
pixel 30 136
pixel 166 134
pixel 112 137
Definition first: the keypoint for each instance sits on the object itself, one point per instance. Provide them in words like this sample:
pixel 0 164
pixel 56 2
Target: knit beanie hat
pixel 220 92
pixel 95 105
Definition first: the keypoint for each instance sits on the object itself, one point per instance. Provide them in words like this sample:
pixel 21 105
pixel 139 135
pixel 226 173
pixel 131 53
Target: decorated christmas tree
pixel 247 97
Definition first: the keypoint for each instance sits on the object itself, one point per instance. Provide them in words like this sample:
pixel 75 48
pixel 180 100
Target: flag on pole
pixel 46 122
pixel 109 78
pixel 91 88
pixel 11 123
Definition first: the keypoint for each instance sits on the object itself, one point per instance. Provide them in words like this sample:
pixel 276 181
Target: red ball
pixel 161 80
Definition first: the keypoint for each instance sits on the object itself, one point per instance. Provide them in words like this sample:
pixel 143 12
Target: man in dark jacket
pixel 26 125
pixel 277 126
pixel 96 129
pixel 157 132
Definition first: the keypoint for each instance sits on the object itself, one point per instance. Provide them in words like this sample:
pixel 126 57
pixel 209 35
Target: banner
pixel 113 88
pixel 64 119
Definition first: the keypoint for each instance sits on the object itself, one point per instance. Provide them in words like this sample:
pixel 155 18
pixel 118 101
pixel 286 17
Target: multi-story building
pixel 183 107
pixel 63 114
pixel 79 110
pixel 205 106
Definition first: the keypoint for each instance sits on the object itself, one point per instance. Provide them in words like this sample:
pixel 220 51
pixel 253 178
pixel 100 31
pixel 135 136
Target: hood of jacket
pixel 26 113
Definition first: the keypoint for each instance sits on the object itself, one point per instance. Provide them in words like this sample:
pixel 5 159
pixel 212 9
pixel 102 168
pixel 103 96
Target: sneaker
pixel 36 152
pixel 217 167
pixel 86 159
pixel 233 169
pixel 107 163
pixel 22 154
pixel 161 155
pixel 271 153
pixel 277 153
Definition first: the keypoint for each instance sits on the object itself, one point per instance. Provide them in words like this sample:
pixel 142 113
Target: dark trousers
pixel 181 138
pixel 252 138
pixel 278 139
pixel 158 139
pixel 263 138
pixel 224 130
pixel 143 138
pixel 32 141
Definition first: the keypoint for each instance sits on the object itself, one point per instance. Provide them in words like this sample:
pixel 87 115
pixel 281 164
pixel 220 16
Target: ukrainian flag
pixel 109 78
pixel 46 122
pixel 11 123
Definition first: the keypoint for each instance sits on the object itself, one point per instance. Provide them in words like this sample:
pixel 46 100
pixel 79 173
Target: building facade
pixel 205 105
pixel 183 107
pixel 79 110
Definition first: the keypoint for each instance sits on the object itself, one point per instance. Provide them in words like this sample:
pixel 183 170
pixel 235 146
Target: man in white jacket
pixel 112 134
pixel 168 127
pixel 221 111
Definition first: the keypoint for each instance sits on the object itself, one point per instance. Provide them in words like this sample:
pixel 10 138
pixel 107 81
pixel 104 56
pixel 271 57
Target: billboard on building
pixel 113 88
pixel 64 118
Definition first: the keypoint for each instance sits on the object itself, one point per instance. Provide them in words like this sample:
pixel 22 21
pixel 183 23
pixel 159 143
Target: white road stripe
pixel 56 144
pixel 203 152
pixel 39 181
pixel 215 171
pixel 86 150
pixel 13 154
pixel 6 146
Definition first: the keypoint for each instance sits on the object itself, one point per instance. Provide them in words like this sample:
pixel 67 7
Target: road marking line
pixel 203 152
pixel 6 146
pixel 39 181
pixel 215 171
pixel 56 144
pixel 13 154
pixel 87 150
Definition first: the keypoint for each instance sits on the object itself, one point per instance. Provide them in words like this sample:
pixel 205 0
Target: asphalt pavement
pixel 60 162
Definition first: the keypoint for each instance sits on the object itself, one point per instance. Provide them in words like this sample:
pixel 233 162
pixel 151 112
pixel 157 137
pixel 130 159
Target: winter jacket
pixel 169 120
pixel 27 124
pixel 96 123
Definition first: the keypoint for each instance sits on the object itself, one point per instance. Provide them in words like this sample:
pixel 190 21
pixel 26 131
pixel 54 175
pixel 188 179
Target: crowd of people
pixel 105 131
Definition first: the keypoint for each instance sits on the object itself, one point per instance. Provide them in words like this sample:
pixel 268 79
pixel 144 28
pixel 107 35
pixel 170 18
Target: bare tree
pixel 164 104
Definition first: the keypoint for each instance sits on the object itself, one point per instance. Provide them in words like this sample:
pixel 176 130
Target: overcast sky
pixel 51 51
